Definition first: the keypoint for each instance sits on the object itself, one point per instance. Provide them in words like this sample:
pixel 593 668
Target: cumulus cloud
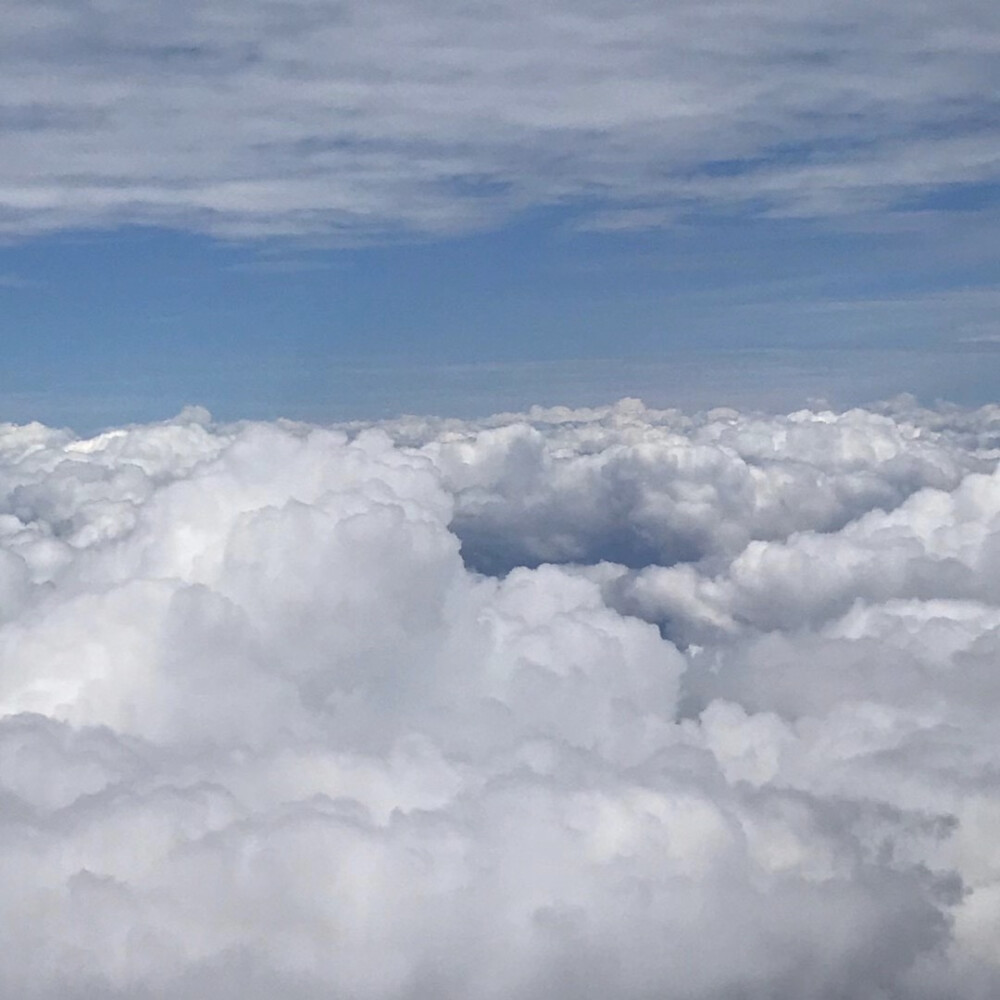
pixel 352 120
pixel 609 702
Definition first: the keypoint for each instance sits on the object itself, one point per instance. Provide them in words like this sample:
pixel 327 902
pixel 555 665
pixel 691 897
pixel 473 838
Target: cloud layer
pixel 352 120
pixel 610 702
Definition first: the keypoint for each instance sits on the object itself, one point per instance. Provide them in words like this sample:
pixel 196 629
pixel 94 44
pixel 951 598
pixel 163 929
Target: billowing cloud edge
pixel 573 702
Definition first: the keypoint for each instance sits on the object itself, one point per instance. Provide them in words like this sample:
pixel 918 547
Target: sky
pixel 499 500
pixel 332 210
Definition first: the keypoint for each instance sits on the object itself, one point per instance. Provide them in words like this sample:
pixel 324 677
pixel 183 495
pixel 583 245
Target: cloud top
pixel 566 703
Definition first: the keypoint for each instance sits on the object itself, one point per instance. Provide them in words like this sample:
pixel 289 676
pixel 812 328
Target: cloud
pixel 14 282
pixel 354 121
pixel 643 487
pixel 570 702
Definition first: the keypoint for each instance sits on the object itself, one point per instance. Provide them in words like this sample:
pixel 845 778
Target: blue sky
pixel 332 209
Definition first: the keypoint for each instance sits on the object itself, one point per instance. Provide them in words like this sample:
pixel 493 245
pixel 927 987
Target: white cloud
pixel 354 121
pixel 265 732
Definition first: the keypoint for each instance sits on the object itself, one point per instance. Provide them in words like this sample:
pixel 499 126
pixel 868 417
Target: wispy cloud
pixel 17 282
pixel 279 266
pixel 355 121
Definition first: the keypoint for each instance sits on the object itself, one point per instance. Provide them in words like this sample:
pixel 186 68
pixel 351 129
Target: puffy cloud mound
pixel 582 704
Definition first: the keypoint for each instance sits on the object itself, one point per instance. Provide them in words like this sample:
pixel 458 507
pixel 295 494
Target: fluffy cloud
pixel 376 712
pixel 356 120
